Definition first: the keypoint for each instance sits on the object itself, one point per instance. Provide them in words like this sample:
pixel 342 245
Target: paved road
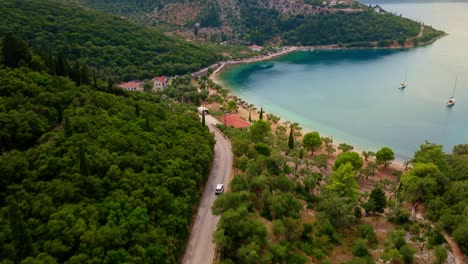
pixel 201 249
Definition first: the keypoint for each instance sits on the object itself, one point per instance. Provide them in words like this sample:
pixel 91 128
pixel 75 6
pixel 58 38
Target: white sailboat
pixel 403 84
pixel 451 101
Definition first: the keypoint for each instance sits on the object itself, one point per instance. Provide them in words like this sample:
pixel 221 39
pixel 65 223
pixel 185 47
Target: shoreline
pixel 222 66
pixel 215 77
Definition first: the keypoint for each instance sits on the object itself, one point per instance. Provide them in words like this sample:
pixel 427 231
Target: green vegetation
pixel 254 22
pixel 94 174
pixel 440 181
pixel 312 141
pixel 286 207
pixel 263 24
pixel 111 45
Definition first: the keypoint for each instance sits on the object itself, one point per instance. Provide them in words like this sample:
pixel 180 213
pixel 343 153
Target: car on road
pixel 219 188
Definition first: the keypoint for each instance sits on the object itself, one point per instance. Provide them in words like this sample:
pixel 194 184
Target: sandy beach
pixel 244 112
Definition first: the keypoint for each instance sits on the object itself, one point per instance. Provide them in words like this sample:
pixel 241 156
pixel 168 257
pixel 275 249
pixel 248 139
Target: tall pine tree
pixel 261 113
pixel 20 235
pixel 84 74
pixel 14 51
pixel 203 118
pixel 147 123
pixel 67 126
pixel 291 139
pixel 110 84
pixel 378 197
pixel 95 85
pixel 84 165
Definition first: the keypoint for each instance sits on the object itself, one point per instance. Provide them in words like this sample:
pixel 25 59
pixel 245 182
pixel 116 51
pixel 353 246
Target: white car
pixel 219 188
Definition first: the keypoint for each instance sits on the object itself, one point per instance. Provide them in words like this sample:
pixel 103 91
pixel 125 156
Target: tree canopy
pixel 92 176
pixel 112 45
pixel 349 157
pixel 385 155
pixel 312 141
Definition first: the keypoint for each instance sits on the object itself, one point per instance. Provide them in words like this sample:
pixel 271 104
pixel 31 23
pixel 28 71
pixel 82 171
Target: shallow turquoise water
pixel 353 95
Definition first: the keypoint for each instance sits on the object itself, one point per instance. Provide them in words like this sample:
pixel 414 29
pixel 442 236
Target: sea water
pixel 353 95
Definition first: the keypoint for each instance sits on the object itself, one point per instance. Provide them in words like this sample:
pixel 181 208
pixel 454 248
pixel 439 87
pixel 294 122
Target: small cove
pixel 353 95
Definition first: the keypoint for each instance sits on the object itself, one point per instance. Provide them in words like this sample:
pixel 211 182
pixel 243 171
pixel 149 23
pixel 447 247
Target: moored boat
pixel 450 102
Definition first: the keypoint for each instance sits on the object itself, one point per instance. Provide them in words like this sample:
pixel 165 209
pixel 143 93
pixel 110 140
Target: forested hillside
pixel 302 22
pixel 112 45
pixel 91 174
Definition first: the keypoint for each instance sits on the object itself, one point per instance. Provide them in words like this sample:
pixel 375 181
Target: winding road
pixel 201 249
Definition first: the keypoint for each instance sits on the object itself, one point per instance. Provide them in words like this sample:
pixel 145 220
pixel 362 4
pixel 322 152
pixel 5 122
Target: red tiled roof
pixel 235 120
pixel 254 46
pixel 130 85
pixel 161 79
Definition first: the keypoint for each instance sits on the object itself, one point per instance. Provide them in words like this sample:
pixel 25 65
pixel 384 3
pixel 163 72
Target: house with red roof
pixel 132 86
pixel 255 47
pixel 235 121
pixel 160 83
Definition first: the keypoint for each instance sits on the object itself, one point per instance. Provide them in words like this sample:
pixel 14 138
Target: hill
pixel 302 22
pixel 113 45
pixel 94 175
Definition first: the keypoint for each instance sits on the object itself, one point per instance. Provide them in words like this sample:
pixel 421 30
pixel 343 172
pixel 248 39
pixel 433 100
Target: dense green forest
pixel 264 24
pixel 92 174
pixel 111 45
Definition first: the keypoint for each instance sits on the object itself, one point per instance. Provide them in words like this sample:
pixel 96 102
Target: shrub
pixel 360 248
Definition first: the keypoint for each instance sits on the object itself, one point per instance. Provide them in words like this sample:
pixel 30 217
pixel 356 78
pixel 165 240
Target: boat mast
pixel 455 86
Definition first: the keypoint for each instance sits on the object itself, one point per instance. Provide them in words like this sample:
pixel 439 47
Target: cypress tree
pixel 137 109
pixel 250 117
pixel 15 50
pixel 50 63
pixel 84 74
pixel 291 139
pixel 203 118
pixel 61 65
pixel 147 123
pixel 261 113
pixel 67 126
pixel 110 84
pixel 378 196
pixel 20 235
pixel 75 73
pixel 95 85
pixel 84 165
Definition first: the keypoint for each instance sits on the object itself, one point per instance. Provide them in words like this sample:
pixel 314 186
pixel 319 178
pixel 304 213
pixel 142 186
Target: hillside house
pixel 132 86
pixel 255 47
pixel 160 83
pixel 377 9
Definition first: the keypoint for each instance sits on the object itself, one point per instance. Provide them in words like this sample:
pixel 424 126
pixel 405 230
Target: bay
pixel 353 95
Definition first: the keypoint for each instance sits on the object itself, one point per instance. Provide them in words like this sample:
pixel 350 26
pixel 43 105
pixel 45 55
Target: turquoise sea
pixel 353 95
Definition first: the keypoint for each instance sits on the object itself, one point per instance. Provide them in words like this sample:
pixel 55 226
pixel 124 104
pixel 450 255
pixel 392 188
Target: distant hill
pixel 111 44
pixel 304 22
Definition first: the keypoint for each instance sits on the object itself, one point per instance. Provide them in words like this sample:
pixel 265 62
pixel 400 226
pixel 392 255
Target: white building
pixel 377 9
pixel 132 86
pixel 256 47
pixel 160 83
